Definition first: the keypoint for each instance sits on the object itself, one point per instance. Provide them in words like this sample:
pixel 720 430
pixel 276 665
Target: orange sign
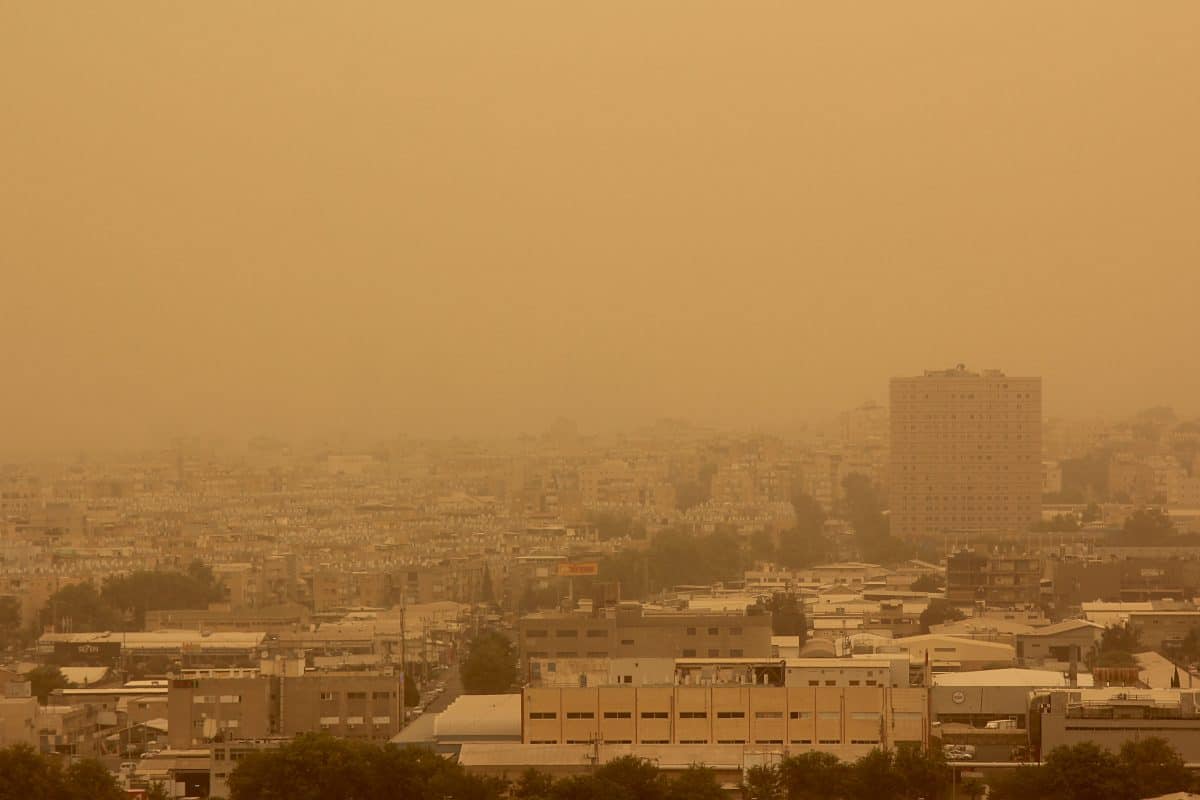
pixel 573 570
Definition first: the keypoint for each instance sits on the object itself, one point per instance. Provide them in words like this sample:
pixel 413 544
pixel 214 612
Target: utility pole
pixel 403 664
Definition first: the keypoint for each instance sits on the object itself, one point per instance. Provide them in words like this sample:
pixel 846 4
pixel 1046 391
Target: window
pixel 801 715
pixel 689 653
pixel 814 683
pixel 872 716
pixel 566 654
pixel 543 741
pixel 801 741
pixel 383 695
pixel 655 715
pixel 356 695
pixel 581 715
pixel 650 741
pixel 713 631
pixel 597 633
pixel 713 653
pixel 543 715
pixel 768 741
pixel 566 633
pixel 735 652
pixel 618 715
pixel 693 741
pixel 768 715
pixel 538 633
pixel 831 683
pixel 829 741
pixel 731 741
pixel 693 715
pixel 735 631
pixel 864 741
pixel 627 642
pixel 597 654
pixel 855 683
pixel 618 741
pixel 691 631
pixel 731 715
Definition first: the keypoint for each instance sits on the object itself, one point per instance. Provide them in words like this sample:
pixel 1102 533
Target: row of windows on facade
pixel 687 652
pixel 825 715
pixel 703 741
pixel 599 633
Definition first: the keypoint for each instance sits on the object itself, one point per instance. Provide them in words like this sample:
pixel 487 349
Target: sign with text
pixel 575 570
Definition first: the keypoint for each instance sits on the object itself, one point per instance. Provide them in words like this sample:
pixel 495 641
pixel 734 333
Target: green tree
pixel 695 783
pixel 1147 526
pixel 973 788
pixel 763 782
pixel 318 767
pixel 588 787
pixel 79 607
pixel 158 791
pixel 532 785
pixel 920 774
pixel 1023 783
pixel 136 593
pixel 926 583
pixel 787 615
pixel 1153 768
pixel 637 776
pixel 939 611
pixel 1117 645
pixel 616 525
pixel 412 695
pixel 10 622
pixel 44 680
pixel 761 546
pixel 25 774
pixel 491 664
pixel 487 594
pixel 874 777
pixel 90 780
pixel 815 776
pixel 1085 771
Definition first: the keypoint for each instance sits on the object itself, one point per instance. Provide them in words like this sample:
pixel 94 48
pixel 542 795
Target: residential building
pixel 966 452
pixel 629 631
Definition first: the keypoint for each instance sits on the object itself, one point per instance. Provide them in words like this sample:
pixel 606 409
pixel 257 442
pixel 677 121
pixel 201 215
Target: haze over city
pixel 274 218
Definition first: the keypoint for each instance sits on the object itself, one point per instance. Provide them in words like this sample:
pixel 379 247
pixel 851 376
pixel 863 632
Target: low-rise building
pixel 1110 717
pixel 840 720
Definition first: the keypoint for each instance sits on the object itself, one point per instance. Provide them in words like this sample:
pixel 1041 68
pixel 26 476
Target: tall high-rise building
pixel 966 452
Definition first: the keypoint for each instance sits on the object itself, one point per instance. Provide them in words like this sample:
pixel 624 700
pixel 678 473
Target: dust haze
pixel 437 218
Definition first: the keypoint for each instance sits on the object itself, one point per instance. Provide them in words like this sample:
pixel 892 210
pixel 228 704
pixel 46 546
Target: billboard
pixel 575 570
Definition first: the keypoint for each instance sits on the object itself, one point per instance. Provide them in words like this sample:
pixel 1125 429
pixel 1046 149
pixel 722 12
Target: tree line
pixel 25 774
pixel 122 601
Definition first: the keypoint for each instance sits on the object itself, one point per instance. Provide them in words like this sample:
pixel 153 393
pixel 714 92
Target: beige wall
pixel 798 717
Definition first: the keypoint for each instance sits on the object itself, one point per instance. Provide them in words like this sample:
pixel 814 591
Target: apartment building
pixel 251 704
pixel 629 631
pixel 966 452
pixel 804 718
pixel 996 578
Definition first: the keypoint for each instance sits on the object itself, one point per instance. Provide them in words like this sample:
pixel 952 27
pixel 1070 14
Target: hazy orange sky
pixel 448 217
